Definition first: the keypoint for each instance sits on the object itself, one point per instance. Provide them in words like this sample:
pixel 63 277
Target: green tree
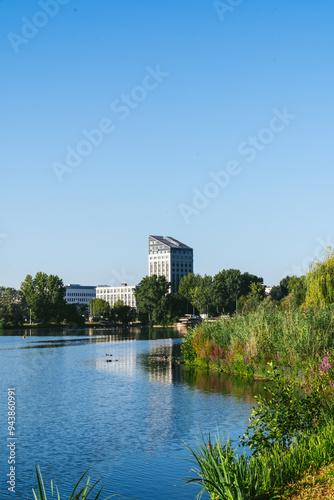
pixel 320 281
pixel 187 287
pixel 99 307
pixel 150 299
pixel 45 296
pixel 246 282
pixel 252 301
pixel 226 288
pixel 122 313
pixel 280 291
pixel 72 314
pixel 297 293
pixel 205 294
pixel 175 306
pixel 12 305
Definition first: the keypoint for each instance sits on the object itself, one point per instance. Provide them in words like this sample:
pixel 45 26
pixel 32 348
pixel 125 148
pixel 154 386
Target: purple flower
pixel 277 355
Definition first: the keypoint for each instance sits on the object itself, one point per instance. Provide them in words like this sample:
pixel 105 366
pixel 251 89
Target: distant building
pixel 77 294
pixel 170 258
pixel 114 293
pixel 267 289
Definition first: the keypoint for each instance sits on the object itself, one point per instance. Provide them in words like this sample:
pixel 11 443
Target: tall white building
pixel 78 294
pixel 170 258
pixel 114 293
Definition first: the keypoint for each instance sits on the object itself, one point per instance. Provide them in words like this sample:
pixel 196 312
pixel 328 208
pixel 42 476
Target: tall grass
pixel 227 475
pixel 290 434
pixel 242 343
pixel 83 490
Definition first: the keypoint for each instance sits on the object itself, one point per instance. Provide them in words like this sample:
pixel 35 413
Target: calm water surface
pixel 128 419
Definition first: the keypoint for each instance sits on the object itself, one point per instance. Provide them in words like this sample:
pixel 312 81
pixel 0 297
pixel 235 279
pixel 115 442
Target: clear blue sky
pixel 217 130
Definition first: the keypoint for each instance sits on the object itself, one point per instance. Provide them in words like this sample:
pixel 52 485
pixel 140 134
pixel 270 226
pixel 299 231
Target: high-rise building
pixel 170 258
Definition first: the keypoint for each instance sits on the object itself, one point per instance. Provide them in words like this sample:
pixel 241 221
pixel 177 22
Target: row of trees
pixel 41 299
pixel 210 295
pixel 219 294
pixel 12 306
pixel 119 313
pixel 231 291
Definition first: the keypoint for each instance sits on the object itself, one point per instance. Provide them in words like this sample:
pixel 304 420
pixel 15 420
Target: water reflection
pixel 128 419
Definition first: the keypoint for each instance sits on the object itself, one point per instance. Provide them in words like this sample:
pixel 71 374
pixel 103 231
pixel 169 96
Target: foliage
pixel 320 282
pixel 151 299
pixel 45 296
pixel 174 307
pixel 72 314
pixel 228 475
pixel 226 288
pixel 290 293
pixel 222 474
pixel 122 313
pixel 246 342
pixel 252 301
pixel 12 305
pixel 187 287
pixel 279 419
pixel 280 291
pixel 219 294
pixel 290 433
pixel 99 307
pixel 79 492
pixel 197 290
pixel 297 289
pixel 228 285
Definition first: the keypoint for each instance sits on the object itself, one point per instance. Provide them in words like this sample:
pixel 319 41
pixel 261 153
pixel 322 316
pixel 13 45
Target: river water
pixel 128 420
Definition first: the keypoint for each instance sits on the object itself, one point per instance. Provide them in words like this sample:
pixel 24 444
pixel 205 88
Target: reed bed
pixel 246 343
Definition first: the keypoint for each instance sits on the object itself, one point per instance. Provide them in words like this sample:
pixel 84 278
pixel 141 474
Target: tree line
pixel 42 298
pixel 118 313
pixel 196 295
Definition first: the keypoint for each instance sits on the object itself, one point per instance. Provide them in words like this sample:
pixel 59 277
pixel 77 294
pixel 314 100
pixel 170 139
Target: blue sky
pixel 207 121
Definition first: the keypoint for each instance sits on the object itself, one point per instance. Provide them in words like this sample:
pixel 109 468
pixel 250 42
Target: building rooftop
pixel 76 285
pixel 170 242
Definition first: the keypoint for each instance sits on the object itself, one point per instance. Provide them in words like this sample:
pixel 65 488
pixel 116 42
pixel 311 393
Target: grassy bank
pixel 290 437
pixel 244 344
pixel 276 473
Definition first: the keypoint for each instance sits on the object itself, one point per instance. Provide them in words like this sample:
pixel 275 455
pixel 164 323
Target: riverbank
pixel 244 344
pixel 86 324
pixel 316 486
pixel 291 431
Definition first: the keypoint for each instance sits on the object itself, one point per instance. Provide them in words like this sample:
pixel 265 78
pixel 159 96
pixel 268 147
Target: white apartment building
pixel 170 258
pixel 114 293
pixel 77 294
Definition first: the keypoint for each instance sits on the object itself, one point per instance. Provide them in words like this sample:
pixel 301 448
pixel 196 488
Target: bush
pixel 289 433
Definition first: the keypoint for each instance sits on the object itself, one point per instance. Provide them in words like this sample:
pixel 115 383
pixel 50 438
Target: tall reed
pixel 242 342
